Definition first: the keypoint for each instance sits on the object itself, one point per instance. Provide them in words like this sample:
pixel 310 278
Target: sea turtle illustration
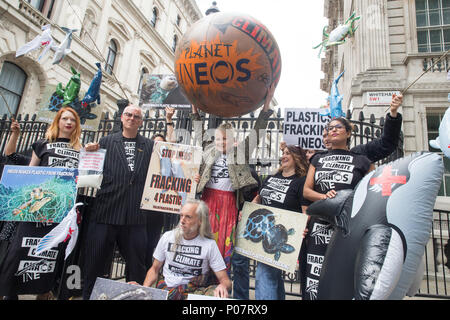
pixel 258 222
pixel 261 227
pixel 275 240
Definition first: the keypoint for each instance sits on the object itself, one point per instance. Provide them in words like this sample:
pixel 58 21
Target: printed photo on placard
pixel 170 177
pixel 270 235
pixel 37 194
pixel 304 127
pixel 106 289
pixel 160 91
pixel 52 101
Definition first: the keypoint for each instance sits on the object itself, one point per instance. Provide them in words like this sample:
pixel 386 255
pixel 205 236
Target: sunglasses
pixel 337 127
pixel 130 115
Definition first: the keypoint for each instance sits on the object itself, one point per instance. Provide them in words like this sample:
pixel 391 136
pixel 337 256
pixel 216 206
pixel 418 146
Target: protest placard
pixel 160 91
pixel 304 127
pixel 270 235
pixel 37 194
pixel 106 289
pixel 170 176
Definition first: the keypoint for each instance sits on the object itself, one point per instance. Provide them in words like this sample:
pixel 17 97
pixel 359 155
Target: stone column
pixel 373 35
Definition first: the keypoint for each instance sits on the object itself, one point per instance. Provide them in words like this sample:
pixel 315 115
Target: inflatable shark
pixel 335 99
pixel 64 48
pixel 93 92
pixel 381 230
pixel 442 142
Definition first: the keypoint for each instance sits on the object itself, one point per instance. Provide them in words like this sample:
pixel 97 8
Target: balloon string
pixel 423 73
pixel 103 59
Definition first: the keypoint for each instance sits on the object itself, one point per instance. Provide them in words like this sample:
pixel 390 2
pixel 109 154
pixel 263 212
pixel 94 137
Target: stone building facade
pixel 129 38
pixel 396 41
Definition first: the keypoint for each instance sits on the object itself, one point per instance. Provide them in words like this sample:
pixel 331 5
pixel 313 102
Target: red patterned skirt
pixel 222 217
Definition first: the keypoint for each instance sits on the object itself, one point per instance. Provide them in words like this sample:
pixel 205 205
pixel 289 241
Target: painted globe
pixel 225 63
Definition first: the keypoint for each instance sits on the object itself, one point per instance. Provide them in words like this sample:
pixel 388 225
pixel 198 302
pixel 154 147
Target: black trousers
pixel 100 240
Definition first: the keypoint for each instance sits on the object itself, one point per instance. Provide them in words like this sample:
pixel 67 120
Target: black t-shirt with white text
pixel 338 170
pixel 283 192
pixel 58 153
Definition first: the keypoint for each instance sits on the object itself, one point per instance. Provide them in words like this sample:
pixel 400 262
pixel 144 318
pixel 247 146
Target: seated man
pixel 186 255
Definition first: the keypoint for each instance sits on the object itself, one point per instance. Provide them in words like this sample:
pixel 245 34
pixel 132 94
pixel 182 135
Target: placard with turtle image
pixel 106 289
pixel 270 235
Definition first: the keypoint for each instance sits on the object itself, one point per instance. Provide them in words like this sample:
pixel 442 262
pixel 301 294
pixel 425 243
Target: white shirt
pixel 220 179
pixel 192 258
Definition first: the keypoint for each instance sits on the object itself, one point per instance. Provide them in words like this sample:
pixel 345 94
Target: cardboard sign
pixel 270 235
pixel 106 289
pixel 170 177
pixel 160 91
pixel 37 194
pixel 304 127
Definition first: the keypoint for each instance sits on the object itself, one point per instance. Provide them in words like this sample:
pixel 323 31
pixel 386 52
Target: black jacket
pixel 119 198
pixel 382 147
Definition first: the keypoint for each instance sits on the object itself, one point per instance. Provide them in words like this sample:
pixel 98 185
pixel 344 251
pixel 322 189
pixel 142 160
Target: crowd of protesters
pixel 207 228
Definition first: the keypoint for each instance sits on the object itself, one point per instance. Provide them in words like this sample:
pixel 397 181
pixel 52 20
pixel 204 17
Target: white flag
pixel 68 227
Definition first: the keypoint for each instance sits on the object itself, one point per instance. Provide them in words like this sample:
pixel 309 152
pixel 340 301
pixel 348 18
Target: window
pixel 112 53
pixel 433 25
pixel 44 6
pixel 433 122
pixel 154 17
pixel 174 43
pixel 12 83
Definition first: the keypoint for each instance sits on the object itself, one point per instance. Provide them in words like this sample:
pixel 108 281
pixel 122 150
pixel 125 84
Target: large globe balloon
pixel 225 63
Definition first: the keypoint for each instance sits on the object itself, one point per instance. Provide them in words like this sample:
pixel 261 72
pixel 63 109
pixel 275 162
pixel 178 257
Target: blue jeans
pixel 240 276
pixel 269 283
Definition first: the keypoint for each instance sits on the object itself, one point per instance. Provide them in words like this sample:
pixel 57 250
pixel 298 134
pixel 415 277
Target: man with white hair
pixel 115 215
pixel 186 254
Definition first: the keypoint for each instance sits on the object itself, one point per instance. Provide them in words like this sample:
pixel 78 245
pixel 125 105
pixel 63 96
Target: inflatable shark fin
pixel 334 210
pixel 379 263
pixel 435 143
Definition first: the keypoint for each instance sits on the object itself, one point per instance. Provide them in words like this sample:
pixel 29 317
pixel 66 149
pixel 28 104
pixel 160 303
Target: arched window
pixel 12 83
pixel 174 44
pixel 141 78
pixel 154 17
pixel 112 53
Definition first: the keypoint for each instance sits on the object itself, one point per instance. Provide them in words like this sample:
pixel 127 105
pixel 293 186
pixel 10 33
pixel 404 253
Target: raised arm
pixel 169 124
pixel 260 124
pixel 12 142
pixel 382 147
